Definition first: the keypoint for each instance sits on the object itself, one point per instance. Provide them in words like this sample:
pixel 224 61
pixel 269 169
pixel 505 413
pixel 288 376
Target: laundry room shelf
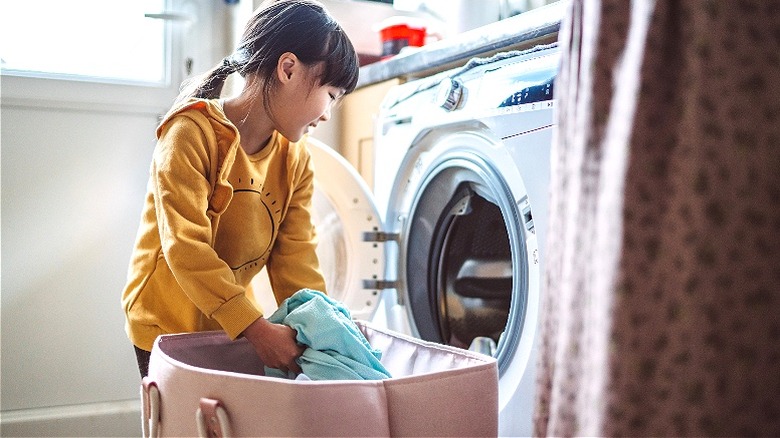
pixel 537 26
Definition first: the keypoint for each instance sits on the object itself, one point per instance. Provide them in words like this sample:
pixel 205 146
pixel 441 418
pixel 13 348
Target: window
pixel 91 39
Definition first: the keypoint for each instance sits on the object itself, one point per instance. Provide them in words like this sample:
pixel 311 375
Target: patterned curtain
pixel 662 283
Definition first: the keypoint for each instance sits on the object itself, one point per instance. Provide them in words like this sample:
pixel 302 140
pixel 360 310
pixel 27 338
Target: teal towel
pixel 337 349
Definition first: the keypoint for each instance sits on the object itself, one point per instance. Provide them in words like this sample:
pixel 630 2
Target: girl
pixel 230 187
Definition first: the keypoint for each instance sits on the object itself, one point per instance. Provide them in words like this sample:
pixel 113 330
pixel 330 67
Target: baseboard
pixel 108 419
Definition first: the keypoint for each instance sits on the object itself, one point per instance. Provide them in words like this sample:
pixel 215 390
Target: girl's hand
pixel 275 344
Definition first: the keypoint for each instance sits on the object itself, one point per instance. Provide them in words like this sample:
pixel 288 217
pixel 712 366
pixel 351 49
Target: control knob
pixel 451 94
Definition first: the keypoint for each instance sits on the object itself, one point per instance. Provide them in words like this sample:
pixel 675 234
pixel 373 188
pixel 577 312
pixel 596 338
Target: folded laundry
pixel 337 349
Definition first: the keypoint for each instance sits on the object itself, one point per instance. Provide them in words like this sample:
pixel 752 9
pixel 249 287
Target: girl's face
pixel 301 103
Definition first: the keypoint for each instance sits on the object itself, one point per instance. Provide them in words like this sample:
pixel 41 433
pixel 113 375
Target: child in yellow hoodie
pixel 231 184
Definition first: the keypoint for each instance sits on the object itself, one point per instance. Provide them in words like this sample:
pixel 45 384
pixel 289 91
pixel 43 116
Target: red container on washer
pixel 396 35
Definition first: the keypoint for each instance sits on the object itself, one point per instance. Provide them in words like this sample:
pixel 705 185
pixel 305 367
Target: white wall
pixel 72 182
pixel 70 205
pixel 75 157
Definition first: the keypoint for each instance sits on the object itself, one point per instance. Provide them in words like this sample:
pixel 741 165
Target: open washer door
pixel 344 211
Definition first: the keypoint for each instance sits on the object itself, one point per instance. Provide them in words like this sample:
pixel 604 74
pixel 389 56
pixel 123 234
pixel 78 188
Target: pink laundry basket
pixel 204 384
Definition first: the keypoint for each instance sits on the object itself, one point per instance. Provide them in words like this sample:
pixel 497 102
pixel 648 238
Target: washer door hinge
pixel 380 284
pixel 379 236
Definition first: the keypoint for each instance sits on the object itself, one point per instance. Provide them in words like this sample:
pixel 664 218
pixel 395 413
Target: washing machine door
pixel 469 262
pixel 346 218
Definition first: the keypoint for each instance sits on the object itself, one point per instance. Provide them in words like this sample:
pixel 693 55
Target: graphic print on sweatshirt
pixel 248 228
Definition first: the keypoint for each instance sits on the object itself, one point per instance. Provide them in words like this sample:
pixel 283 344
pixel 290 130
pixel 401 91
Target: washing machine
pixel 448 247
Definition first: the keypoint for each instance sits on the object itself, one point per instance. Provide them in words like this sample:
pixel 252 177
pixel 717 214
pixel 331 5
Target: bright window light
pixel 84 38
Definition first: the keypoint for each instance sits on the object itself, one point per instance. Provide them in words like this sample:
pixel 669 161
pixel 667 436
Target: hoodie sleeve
pixel 182 188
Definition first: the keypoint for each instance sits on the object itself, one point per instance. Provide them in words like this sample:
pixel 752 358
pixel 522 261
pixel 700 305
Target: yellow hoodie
pixel 212 219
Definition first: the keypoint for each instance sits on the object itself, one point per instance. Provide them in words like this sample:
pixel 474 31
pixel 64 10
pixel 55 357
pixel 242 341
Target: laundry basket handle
pixel 150 414
pixel 212 419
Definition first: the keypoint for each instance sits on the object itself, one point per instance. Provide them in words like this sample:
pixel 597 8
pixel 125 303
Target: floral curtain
pixel 662 279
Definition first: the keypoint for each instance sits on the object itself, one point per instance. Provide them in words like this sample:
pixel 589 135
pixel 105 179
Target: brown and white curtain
pixel 662 281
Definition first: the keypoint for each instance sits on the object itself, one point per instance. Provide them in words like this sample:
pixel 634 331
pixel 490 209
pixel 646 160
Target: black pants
pixel 143 361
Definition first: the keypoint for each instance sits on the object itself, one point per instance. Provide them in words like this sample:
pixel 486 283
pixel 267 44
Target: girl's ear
pixel 287 66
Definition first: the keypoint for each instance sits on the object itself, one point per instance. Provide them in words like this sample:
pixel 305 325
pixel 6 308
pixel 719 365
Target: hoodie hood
pixel 222 142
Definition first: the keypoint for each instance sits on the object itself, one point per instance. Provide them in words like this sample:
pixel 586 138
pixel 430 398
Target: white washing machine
pixel 449 248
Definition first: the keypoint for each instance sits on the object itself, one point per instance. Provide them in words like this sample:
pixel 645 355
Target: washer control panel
pixel 451 94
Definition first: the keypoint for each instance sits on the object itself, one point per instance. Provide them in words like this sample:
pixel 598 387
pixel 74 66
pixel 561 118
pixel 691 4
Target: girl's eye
pixel 332 96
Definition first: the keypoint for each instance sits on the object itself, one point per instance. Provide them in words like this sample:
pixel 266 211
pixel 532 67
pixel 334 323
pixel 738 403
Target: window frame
pixel 148 17
pixel 35 89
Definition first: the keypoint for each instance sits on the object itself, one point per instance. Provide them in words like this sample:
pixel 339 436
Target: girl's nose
pixel 326 115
